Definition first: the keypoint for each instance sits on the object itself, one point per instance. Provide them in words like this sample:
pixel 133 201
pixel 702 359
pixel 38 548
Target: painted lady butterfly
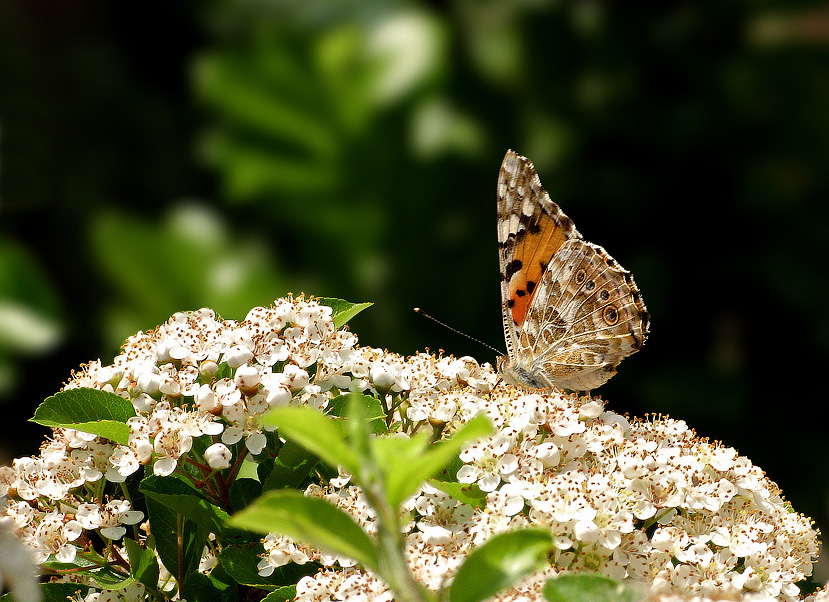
pixel 571 312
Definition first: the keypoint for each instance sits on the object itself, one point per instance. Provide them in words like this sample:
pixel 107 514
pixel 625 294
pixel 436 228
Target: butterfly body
pixel 571 313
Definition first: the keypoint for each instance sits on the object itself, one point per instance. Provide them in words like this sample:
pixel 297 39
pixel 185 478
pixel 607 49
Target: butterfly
pixel 571 312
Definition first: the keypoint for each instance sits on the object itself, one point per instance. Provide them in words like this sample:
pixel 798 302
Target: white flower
pixel 591 409
pixel 88 516
pixel 382 375
pixel 278 395
pixel 247 377
pixel 208 561
pixel 279 552
pixel 548 454
pixel 483 462
pixel 53 535
pixel 170 444
pixel 227 392
pixel 147 379
pixel 206 400
pixel 237 355
pixel 502 502
pixel 254 439
pixel 218 456
pixel 116 513
pixel 197 424
pixel 445 410
pixel 17 563
pixel 125 461
pixel 295 377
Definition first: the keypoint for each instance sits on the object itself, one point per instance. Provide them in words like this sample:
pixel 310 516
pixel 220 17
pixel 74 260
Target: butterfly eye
pixel 581 276
pixel 590 285
pixel 610 315
pixel 604 295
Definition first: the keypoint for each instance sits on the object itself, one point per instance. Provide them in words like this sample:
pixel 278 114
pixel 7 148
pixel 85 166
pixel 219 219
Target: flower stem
pixel 394 568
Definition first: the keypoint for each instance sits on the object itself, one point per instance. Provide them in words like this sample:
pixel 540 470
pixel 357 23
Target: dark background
pixel 157 157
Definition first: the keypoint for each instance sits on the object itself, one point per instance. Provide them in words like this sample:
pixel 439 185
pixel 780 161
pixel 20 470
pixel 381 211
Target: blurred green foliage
pixel 164 157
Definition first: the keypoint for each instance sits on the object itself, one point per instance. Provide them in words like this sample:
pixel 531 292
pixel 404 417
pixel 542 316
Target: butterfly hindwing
pixel 584 319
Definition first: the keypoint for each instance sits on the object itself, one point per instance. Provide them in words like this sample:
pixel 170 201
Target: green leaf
pixel 407 469
pixel 225 587
pixel 588 588
pixel 108 579
pixel 319 435
pixel 178 541
pixel 290 467
pixel 54 592
pixel 185 500
pixel 143 564
pixel 343 310
pixel 463 492
pixel 201 588
pixel 80 562
pixel 499 563
pixel 243 492
pixel 310 520
pixel 375 415
pixel 239 564
pixel 357 430
pixel 402 461
pixel 88 410
pixel 283 594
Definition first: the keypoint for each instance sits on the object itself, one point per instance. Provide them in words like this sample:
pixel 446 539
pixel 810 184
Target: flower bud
pixel 218 456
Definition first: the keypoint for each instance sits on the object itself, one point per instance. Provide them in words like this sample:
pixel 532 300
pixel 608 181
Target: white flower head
pixel 631 499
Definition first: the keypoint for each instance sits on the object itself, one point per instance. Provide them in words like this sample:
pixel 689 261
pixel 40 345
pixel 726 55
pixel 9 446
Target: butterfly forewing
pixel 531 228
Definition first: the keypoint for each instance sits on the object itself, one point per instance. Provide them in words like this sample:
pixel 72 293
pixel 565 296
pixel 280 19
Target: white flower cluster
pixel 194 376
pixel 647 501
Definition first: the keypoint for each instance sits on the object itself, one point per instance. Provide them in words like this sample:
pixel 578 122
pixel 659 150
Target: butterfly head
pixel 518 376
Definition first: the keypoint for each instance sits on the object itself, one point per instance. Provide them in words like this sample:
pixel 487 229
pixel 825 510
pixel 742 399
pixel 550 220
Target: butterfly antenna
pixel 463 334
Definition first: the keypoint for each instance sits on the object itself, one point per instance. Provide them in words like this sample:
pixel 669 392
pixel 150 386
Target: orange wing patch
pixel 540 242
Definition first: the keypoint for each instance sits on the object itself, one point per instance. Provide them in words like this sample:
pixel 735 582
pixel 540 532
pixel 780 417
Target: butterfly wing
pixel 587 316
pixel 571 313
pixel 531 229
